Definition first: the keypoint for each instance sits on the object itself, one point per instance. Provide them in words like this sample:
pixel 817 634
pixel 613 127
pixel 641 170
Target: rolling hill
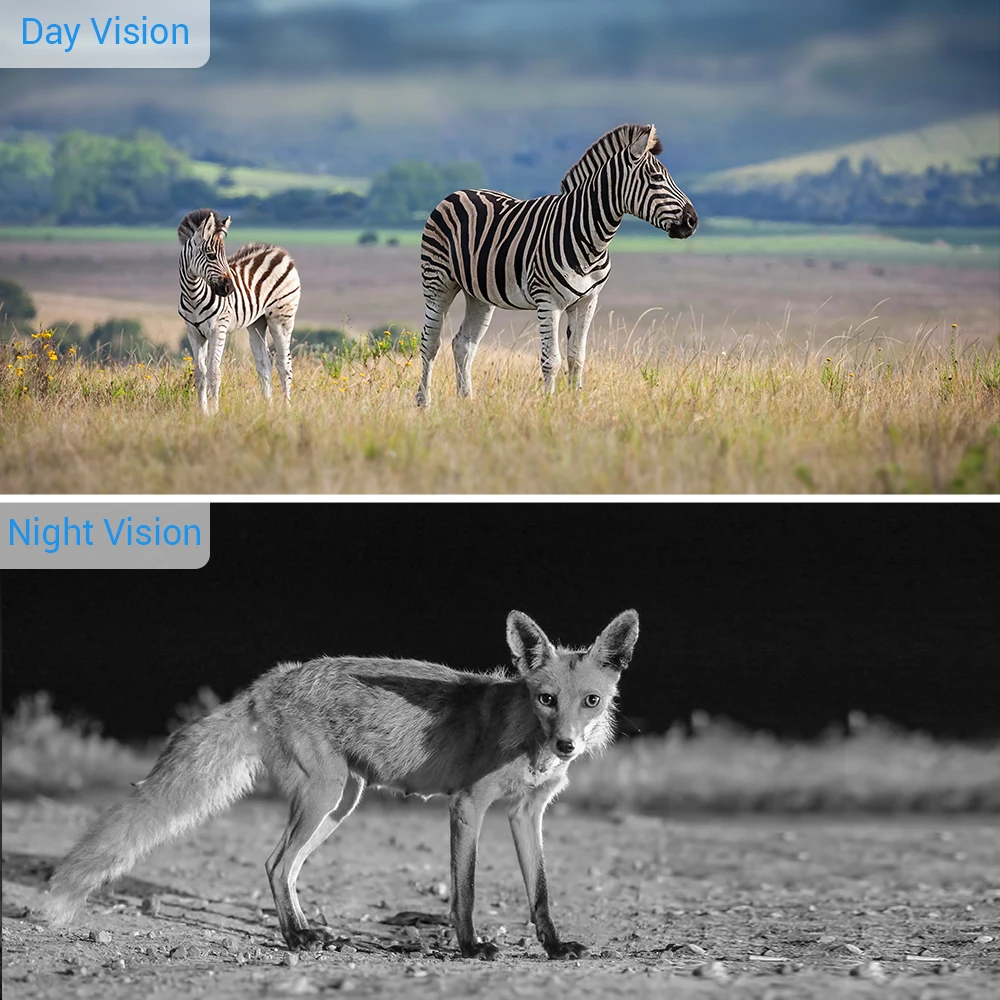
pixel 262 182
pixel 960 143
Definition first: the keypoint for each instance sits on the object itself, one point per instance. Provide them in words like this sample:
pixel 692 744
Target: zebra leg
pixel 548 327
pixel 216 346
pixel 579 317
pixel 199 358
pixel 439 293
pixel 477 318
pixel 281 334
pixel 257 331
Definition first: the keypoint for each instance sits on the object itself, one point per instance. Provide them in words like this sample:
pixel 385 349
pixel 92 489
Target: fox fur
pixel 328 728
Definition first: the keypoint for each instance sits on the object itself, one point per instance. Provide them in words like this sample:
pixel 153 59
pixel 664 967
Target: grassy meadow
pixel 860 414
pixel 952 247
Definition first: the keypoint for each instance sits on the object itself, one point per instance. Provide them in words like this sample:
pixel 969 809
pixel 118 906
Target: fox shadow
pixel 35 870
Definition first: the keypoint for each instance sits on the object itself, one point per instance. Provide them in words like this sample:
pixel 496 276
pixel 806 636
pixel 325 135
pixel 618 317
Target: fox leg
pixel 525 816
pixel 467 811
pixel 313 818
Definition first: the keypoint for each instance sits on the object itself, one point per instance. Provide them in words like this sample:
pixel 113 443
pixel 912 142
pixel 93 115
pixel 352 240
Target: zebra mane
pixel 248 250
pixel 193 220
pixel 601 151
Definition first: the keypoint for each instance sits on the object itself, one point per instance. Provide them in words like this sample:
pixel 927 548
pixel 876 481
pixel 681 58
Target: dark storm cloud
pixel 402 36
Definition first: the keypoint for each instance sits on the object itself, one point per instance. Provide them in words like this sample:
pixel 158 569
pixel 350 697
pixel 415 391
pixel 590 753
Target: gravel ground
pixel 769 908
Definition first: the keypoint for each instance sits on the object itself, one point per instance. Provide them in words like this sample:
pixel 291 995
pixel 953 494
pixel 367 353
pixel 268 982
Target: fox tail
pixel 205 766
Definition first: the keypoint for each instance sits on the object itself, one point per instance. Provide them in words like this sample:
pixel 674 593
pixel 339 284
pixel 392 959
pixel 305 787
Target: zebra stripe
pixel 257 288
pixel 549 254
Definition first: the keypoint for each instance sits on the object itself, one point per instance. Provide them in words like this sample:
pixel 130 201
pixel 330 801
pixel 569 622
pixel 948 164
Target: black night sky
pixel 780 616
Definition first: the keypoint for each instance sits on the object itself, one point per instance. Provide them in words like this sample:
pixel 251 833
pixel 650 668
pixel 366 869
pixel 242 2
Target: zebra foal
pixel 549 254
pixel 257 288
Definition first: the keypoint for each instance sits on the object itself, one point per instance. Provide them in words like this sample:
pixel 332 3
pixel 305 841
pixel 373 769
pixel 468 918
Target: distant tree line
pixel 936 197
pixel 82 178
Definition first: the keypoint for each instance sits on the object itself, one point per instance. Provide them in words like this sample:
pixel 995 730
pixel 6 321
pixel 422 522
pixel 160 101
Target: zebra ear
pixel 224 228
pixel 207 230
pixel 644 141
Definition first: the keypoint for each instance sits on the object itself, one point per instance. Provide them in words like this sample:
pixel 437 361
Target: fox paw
pixel 308 939
pixel 485 950
pixel 566 949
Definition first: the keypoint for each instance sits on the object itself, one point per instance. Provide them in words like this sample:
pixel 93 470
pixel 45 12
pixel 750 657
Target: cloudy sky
pixel 520 85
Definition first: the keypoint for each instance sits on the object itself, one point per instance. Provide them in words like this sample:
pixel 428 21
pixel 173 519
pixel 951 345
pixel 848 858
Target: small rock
pixel 180 952
pixel 694 949
pixel 101 937
pixel 869 970
pixel 347 985
pixel 227 943
pixel 290 959
pixel 711 970
pixel 826 939
pixel 985 939
pixel 348 949
pixel 150 905
pixel 944 967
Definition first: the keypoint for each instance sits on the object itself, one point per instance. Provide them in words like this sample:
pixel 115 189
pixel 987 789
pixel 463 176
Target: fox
pixel 329 728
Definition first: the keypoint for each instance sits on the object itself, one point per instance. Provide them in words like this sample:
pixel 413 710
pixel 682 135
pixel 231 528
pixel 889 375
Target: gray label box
pixel 104 34
pixel 104 535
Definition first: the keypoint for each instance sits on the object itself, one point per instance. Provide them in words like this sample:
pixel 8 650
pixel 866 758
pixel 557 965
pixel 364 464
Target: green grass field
pixel 960 247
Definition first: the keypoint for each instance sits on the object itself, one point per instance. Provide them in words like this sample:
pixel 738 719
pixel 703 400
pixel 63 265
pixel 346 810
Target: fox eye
pixel 548 700
pixel 592 700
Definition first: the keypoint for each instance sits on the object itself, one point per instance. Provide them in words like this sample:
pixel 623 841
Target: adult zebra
pixel 257 288
pixel 549 253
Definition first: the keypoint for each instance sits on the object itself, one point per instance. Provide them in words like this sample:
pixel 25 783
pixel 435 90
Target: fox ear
pixel 529 645
pixel 613 648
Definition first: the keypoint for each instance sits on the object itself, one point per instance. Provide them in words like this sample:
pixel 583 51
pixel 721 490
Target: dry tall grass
pixel 861 415
pixel 874 767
